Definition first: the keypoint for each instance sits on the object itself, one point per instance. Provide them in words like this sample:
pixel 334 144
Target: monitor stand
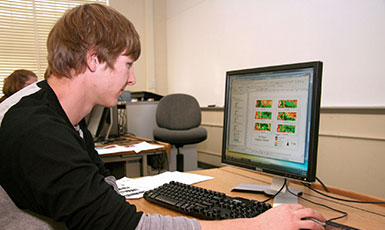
pixel 284 197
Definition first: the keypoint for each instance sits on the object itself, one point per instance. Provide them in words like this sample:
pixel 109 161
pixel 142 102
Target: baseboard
pixel 203 165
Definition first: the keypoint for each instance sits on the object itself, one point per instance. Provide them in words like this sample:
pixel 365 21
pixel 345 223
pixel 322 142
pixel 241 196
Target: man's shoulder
pixel 14 99
pixel 32 118
pixel 31 112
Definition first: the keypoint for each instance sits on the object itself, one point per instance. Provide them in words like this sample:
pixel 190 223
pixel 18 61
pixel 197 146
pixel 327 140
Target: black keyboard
pixel 203 203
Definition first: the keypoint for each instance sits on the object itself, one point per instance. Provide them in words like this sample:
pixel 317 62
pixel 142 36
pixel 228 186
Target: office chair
pixel 178 117
pixel 12 217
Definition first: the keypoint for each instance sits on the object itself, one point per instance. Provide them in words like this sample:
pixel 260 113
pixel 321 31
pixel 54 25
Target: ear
pixel 92 60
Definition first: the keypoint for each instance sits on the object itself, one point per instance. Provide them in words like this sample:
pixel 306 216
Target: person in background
pixel 91 51
pixel 16 81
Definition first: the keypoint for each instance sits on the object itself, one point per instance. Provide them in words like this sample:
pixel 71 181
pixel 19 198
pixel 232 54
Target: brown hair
pixel 90 27
pixel 15 82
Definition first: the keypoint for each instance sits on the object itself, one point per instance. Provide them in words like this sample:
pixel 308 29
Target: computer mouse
pixel 315 220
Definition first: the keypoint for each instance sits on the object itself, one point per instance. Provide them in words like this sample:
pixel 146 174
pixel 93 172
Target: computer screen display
pixel 271 119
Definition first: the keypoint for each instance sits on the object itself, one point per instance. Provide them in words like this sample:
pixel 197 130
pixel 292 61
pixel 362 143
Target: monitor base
pixel 284 197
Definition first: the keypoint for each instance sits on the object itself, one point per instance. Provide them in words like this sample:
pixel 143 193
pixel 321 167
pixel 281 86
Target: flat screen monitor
pixel 103 123
pixel 271 120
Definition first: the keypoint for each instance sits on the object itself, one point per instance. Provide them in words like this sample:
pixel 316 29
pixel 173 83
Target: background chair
pixel 178 117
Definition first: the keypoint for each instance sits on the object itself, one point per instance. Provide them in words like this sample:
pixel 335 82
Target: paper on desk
pixel 134 188
pixel 119 148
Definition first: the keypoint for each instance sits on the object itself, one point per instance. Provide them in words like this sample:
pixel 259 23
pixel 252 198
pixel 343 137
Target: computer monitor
pixel 271 120
pixel 103 123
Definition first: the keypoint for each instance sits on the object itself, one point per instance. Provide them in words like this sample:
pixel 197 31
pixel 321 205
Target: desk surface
pixel 362 216
pixel 124 156
pixel 126 140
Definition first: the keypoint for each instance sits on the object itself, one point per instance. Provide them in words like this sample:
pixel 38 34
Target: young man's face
pixel 114 81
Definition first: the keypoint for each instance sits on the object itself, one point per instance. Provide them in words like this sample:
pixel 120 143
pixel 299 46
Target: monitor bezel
pixel 102 122
pixel 314 123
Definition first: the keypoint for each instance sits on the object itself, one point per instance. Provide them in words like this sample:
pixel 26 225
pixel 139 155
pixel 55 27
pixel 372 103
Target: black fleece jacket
pixel 46 167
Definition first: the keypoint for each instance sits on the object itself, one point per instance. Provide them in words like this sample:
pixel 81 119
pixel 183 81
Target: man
pixel 48 161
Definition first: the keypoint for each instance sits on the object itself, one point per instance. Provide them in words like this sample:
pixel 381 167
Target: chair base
pixel 179 162
pixel 179 159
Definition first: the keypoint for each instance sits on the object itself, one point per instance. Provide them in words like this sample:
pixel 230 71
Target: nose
pixel 131 78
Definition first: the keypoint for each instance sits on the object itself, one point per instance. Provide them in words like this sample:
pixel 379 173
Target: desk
pixel 126 140
pixel 226 178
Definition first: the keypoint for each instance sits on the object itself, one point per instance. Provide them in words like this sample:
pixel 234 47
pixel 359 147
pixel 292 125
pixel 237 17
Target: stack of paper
pixel 119 148
pixel 134 188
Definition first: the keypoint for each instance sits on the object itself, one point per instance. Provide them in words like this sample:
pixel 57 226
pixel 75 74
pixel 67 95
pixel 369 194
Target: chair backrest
pixel 178 112
pixel 13 218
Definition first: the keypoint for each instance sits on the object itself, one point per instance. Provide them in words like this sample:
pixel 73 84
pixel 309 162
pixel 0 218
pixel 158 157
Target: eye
pixel 129 65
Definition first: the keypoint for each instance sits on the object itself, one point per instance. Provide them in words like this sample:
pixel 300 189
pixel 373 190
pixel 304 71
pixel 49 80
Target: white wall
pixel 135 11
pixel 149 19
pixel 206 38
pixel 351 148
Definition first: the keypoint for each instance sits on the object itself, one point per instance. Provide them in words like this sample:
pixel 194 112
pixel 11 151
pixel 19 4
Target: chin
pixel 111 103
pixel 115 102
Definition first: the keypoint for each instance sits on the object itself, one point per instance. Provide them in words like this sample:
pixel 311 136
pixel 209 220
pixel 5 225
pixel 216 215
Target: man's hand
pixel 288 217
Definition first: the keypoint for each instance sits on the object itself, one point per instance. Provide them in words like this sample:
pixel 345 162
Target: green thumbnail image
pixel 262 126
pixel 287 116
pixel 288 104
pixel 264 104
pixel 263 115
pixel 286 128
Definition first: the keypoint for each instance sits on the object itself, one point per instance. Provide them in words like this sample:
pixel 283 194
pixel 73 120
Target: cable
pixel 344 204
pixel 122 120
pixel 344 214
pixel 361 209
pixel 273 196
pixel 345 200
pixel 158 161
pixel 164 159
pixel 323 185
